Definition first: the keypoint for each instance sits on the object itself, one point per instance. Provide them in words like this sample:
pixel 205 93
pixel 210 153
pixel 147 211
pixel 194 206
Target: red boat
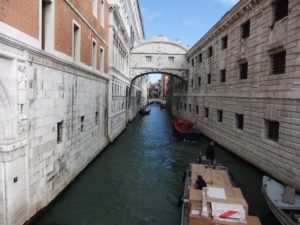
pixel 186 130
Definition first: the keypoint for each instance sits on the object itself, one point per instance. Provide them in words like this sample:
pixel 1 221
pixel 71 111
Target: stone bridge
pixel 159 55
pixel 157 100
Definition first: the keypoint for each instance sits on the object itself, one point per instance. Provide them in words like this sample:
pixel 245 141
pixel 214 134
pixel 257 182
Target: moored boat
pixel 145 111
pixel 218 203
pixel 286 213
pixel 186 130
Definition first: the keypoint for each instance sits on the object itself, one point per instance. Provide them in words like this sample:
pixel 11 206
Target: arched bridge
pixel 159 55
pixel 157 100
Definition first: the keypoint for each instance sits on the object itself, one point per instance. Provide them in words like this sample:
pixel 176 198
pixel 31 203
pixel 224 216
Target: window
pixel 192 82
pixel 200 58
pixel 102 15
pixel 171 59
pixel 47 11
pixel 278 62
pixel 148 58
pixel 206 112
pixel 82 123
pixel 94 55
pixel 180 105
pixel 224 42
pixel 223 76
pixel 184 106
pixel 76 42
pixel 210 52
pixel 95 8
pixel 197 109
pixel 193 63
pixel 272 130
pixel 190 107
pixel 199 81
pixel 239 121
pixel 60 132
pixel 245 29
pixel 101 59
pixel 220 116
pixel 281 9
pixel 96 118
pixel 243 71
pixel 208 78
pixel 177 106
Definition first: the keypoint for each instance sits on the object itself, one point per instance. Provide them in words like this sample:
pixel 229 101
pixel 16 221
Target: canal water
pixel 137 180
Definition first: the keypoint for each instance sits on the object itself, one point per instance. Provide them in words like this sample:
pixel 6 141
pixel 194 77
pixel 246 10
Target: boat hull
pixel 185 131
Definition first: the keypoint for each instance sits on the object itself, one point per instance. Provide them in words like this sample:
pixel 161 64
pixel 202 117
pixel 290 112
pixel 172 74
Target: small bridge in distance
pixel 157 100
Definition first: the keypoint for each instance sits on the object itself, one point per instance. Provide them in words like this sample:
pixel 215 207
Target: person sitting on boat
pixel 200 183
pixel 210 152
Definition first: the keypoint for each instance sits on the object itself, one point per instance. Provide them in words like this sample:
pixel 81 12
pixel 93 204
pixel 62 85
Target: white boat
pixel 286 213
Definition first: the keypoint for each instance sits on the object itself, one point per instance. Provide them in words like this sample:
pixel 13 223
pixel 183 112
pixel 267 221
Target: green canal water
pixel 137 180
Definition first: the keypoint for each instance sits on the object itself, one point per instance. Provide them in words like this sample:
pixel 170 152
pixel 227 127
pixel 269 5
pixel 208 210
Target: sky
pixel 186 20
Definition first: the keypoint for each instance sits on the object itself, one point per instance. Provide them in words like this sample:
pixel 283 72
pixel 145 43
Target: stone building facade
pixel 125 30
pixel 244 85
pixel 53 98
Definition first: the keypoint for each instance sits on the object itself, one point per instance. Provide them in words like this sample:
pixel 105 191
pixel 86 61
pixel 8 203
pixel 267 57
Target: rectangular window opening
pixel 101 59
pixel 102 15
pixel 95 8
pixel 220 116
pixel 200 58
pixel 97 118
pixel 223 76
pixel 197 109
pixel 206 112
pixel 224 42
pixel 281 9
pixel 278 61
pixel 60 132
pixel 272 130
pixel 94 55
pixel 210 52
pixel 82 123
pixel 208 78
pixel 46 17
pixel 148 58
pixel 239 121
pixel 76 43
pixel 199 81
pixel 243 71
pixel 245 29
pixel 171 59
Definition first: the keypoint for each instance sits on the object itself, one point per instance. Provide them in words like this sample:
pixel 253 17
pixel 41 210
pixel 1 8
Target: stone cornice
pixel 230 18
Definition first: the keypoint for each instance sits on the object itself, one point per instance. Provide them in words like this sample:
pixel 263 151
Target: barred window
pixel 199 81
pixel 278 62
pixel 193 64
pixel 220 116
pixel 223 76
pixel 210 52
pixel 245 29
pixel 197 109
pixel 171 59
pixel 224 42
pixel 59 132
pixel 190 107
pixel 281 9
pixel 148 58
pixel 272 130
pixel 184 106
pixel 206 112
pixel 243 71
pixel 208 78
pixel 200 58
pixel 239 121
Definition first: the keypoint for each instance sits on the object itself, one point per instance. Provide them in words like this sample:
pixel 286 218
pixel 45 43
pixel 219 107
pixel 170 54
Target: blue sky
pixel 185 20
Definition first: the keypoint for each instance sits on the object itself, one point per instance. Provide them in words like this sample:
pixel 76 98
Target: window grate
pixel 281 9
pixel 244 71
pixel 278 62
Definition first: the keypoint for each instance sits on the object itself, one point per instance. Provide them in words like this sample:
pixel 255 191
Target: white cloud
pixel 150 15
pixel 228 2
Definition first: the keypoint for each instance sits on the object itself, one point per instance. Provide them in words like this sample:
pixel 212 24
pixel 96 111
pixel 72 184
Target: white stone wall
pixel 37 91
pixel 260 97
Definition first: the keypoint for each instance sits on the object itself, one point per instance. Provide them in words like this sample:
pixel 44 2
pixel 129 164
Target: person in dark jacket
pixel 210 152
pixel 200 183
